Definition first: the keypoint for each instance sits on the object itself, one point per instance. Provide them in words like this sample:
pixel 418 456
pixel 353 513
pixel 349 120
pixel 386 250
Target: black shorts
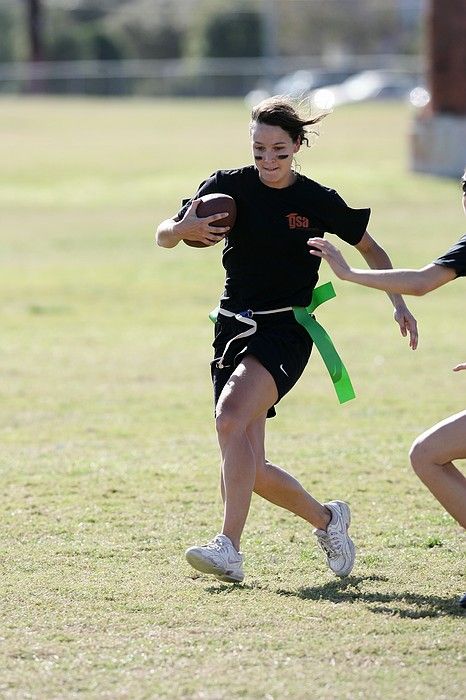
pixel 280 344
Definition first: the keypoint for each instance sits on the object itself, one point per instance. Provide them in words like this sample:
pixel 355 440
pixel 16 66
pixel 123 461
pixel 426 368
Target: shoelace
pixel 216 545
pixel 331 543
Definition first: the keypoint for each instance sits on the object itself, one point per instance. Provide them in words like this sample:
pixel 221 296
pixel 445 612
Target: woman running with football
pixel 268 271
pixel 433 452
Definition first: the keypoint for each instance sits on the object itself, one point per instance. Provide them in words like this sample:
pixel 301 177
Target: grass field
pixel 108 455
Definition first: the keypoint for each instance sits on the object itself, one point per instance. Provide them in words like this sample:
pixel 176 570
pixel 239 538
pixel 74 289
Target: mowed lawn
pixel 108 455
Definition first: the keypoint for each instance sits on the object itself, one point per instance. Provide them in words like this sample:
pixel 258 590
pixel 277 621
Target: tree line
pixel 54 30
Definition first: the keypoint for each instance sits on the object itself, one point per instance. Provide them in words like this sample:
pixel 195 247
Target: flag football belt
pixel 321 339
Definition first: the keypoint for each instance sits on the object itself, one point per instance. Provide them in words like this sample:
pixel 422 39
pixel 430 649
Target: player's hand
pixel 323 249
pixel 407 324
pixel 459 367
pixel 193 228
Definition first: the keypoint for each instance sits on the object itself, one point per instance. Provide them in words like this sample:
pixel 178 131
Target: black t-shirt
pixel 455 257
pixel 266 258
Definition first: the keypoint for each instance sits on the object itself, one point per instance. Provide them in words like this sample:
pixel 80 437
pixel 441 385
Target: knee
pixel 262 476
pixel 228 422
pixel 420 455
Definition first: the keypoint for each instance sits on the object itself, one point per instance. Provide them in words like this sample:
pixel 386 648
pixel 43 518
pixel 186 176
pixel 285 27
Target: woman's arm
pixel 170 232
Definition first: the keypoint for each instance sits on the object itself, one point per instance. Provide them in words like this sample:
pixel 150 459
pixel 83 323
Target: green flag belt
pixel 323 342
pixel 321 339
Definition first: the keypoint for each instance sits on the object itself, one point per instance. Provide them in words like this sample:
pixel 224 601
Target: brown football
pixel 215 203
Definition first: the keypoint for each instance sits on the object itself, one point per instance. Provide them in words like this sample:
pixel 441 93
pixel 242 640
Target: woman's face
pixel 273 151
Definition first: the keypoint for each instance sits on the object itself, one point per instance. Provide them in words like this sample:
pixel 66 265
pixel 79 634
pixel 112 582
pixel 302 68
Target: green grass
pixel 108 456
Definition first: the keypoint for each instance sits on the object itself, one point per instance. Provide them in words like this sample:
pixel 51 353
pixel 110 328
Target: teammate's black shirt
pixel 455 257
pixel 266 257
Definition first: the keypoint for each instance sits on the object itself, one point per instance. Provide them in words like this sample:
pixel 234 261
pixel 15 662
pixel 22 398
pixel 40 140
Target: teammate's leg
pixel 431 457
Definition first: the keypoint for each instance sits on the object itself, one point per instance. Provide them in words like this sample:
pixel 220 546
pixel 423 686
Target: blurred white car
pixel 302 82
pixel 368 85
pixel 298 84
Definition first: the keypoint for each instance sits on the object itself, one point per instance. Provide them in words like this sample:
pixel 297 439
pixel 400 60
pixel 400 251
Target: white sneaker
pixel 335 541
pixel 218 557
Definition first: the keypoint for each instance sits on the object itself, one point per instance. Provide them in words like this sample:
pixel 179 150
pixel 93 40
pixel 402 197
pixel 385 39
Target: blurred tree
pixel 70 45
pixel 164 41
pixel 352 26
pixel 88 11
pixel 233 34
pixel 75 36
pixel 7 44
pixel 106 48
pixel 151 28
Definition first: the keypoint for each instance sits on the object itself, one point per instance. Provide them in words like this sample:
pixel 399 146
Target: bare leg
pixel 431 457
pixel 248 394
pixel 278 486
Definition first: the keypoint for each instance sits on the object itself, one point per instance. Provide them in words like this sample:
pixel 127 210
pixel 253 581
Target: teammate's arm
pixel 399 281
pixel 377 258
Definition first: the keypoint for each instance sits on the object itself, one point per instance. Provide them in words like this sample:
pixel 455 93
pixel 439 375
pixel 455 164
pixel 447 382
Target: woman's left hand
pixel 408 324
pixel 459 367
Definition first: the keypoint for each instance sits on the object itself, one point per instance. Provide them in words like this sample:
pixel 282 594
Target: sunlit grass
pixel 108 458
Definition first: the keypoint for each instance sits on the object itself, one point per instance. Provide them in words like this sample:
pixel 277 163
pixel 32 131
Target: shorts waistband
pixel 304 316
pixel 246 317
pixel 250 313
